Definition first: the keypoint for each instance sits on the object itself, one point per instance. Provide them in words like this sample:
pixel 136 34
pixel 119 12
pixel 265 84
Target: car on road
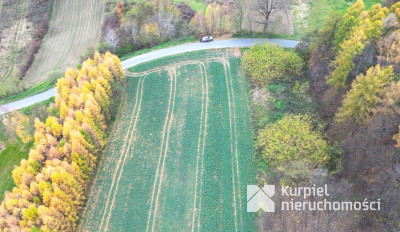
pixel 206 39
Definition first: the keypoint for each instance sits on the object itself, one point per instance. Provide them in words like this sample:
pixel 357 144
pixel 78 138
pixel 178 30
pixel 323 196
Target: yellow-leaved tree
pixel 51 183
pixel 362 97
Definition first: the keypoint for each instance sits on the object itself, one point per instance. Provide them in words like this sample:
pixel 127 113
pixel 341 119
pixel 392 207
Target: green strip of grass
pixel 27 110
pixel 9 157
pixel 41 87
pixel 160 46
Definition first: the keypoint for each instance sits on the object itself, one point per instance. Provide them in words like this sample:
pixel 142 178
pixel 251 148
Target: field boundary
pixel 172 74
pixel 201 142
pixel 235 133
pixel 135 112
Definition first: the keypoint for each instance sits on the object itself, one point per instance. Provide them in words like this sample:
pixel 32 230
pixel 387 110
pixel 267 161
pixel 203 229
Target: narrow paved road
pixel 189 47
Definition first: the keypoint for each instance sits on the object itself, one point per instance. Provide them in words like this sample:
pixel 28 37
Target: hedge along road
pixel 189 47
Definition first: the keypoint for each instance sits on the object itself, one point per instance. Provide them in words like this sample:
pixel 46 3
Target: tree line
pixel 51 185
pixel 133 26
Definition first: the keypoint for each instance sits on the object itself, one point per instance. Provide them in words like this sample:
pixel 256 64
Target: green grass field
pixel 322 8
pixel 309 15
pixel 9 157
pixel 196 5
pixel 180 154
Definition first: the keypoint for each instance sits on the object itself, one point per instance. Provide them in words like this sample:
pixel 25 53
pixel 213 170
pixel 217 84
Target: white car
pixel 206 39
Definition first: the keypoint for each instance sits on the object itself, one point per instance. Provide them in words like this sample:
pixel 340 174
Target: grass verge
pixel 41 87
pixel 160 46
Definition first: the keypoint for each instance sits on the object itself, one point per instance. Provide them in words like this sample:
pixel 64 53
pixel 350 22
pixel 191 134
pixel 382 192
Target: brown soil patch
pixel 236 52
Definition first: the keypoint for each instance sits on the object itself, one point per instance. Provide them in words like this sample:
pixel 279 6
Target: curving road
pixel 189 47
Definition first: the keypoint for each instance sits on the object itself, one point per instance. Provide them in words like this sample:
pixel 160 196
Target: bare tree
pixel 266 8
pixel 111 39
pixel 166 21
pixel 135 32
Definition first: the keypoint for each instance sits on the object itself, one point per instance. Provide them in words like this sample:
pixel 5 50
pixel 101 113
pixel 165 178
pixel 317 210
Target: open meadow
pixel 180 154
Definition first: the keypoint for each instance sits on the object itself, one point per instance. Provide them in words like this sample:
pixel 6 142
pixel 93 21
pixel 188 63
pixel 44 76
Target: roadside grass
pixel 41 87
pixel 160 46
pixel 259 35
pixel 309 15
pixel 28 110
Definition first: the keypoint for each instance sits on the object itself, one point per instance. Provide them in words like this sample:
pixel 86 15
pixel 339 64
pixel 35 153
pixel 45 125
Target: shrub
pixel 265 63
pixel 33 47
pixel 290 139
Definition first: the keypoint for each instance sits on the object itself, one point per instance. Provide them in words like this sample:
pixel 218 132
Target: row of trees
pixel 147 23
pixel 51 183
pixel 141 25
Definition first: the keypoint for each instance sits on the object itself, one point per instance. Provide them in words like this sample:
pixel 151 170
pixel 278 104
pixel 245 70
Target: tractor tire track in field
pixel 163 150
pixel 126 154
pixel 232 130
pixel 232 136
pixel 174 66
pixel 113 133
pixel 139 94
pixel 212 108
pixel 201 145
pixel 204 144
pixel 235 133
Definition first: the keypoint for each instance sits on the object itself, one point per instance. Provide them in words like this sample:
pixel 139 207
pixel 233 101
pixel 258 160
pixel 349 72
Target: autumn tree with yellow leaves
pixel 51 183
pixel 17 125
